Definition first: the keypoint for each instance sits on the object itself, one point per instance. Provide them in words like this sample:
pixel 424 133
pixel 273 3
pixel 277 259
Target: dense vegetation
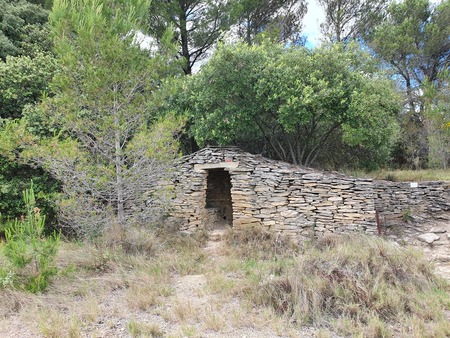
pixel 84 108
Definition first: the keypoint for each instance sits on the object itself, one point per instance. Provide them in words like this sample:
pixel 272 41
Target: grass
pixel 137 270
pixel 257 244
pixel 140 329
pixel 405 175
pixel 348 286
pixel 364 286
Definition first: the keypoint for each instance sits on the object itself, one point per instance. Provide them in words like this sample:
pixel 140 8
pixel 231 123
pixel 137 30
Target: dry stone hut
pixel 215 187
pixel 218 186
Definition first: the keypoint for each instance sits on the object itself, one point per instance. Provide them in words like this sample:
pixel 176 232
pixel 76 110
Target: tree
pixel 414 41
pixel 280 19
pixel 198 24
pixel 23 28
pixel 436 101
pixel 15 177
pixel 23 80
pixel 350 19
pixel 26 68
pixel 26 246
pixel 292 101
pixel 108 149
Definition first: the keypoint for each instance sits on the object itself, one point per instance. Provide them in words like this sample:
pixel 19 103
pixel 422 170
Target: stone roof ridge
pixel 258 159
pixel 244 156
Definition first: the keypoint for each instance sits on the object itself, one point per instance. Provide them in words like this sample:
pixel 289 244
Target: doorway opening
pixel 218 197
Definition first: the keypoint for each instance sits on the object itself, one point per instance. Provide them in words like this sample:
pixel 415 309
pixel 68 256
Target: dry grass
pixel 257 243
pixel 140 329
pixel 405 175
pixel 184 310
pixel 364 285
pixel 133 270
pixel 350 285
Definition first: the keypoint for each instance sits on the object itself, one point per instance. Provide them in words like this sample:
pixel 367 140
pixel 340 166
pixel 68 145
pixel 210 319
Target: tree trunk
pixel 118 165
pixel 184 40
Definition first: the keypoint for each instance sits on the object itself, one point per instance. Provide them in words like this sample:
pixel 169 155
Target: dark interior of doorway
pixel 218 195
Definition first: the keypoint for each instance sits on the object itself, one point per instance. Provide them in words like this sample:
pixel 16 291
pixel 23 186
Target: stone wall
pixel 396 200
pixel 292 199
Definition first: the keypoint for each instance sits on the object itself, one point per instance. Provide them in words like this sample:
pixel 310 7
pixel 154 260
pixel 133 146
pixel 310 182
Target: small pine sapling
pixel 32 255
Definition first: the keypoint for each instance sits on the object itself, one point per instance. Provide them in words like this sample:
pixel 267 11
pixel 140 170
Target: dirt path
pixel 199 308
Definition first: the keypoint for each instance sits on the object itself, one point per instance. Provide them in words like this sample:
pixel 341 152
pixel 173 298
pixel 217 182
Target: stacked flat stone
pixel 273 194
pixel 292 199
pixel 395 199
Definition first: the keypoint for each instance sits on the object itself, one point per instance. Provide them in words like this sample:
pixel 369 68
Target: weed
pixel 139 329
pixel 406 215
pixel 390 177
pixel 377 328
pixel 214 321
pixel 91 310
pixel 135 240
pixel 405 175
pixel 183 310
pixel 364 282
pixel 6 278
pixel 322 333
pixel 257 243
pixel 146 290
pixel 218 283
pixel 73 330
pixel 51 324
pixel 189 331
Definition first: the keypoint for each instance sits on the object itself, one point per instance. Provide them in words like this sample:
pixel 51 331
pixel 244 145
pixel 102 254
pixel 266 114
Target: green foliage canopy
pixel 26 68
pixel 293 102
pixel 436 101
pixel 415 40
pixel 351 19
pixel 197 25
pixel 23 80
pixel 281 20
pixel 23 28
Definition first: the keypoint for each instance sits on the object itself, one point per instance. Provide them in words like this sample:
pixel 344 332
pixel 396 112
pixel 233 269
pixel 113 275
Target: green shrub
pixel 31 254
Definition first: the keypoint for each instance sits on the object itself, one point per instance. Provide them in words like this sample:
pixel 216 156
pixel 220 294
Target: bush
pixel 367 282
pixel 257 243
pixel 30 254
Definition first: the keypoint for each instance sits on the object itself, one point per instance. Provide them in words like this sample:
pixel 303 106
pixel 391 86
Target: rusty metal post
pixel 377 217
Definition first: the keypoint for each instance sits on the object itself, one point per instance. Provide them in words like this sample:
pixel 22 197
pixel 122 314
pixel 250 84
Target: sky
pixel 311 23
pixel 311 28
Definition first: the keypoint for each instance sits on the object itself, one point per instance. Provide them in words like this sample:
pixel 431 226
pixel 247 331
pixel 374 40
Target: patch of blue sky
pixel 311 24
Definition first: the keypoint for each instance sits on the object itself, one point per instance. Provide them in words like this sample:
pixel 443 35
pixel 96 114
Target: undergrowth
pixel 404 175
pixel 349 285
pixel 30 255
pixel 257 243
pixel 361 285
